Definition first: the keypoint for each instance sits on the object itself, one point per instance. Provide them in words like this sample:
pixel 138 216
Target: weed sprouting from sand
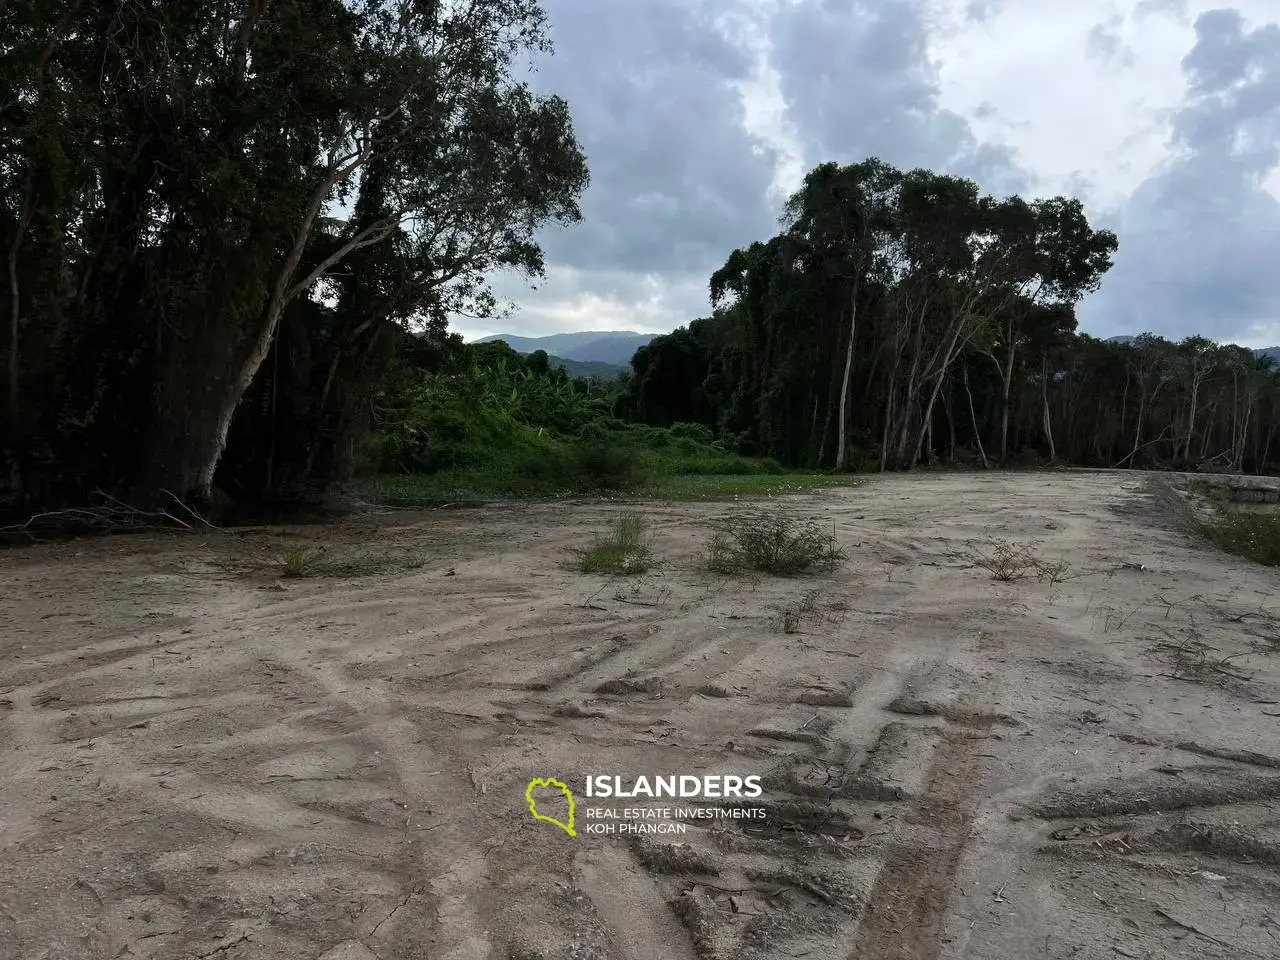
pixel 1009 562
pixel 644 593
pixel 812 608
pixel 773 544
pixel 298 561
pixel 626 549
pixel 1006 561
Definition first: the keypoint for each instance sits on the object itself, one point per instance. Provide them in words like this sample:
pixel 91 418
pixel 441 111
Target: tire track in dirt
pixel 908 905
pixel 905 912
pixel 642 924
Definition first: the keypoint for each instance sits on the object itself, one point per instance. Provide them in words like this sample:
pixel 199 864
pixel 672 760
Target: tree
pixel 844 216
pixel 165 210
pixel 877 303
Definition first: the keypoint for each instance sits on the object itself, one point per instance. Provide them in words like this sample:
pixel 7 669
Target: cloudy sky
pixel 698 117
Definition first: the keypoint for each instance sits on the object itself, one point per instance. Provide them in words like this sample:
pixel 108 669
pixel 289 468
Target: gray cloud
pixel 1200 239
pixel 979 11
pixel 676 181
pixel 1104 44
pixel 857 82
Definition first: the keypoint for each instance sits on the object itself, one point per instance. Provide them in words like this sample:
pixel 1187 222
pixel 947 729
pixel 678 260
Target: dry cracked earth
pixel 199 759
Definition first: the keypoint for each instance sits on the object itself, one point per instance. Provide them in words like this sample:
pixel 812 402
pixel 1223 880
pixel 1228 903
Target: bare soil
pixel 200 759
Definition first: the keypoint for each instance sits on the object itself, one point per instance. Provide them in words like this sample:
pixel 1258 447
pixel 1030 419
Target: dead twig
pixel 1190 929
pixel 190 511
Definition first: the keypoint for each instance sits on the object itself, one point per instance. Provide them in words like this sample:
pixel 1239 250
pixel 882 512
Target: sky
pixel 699 117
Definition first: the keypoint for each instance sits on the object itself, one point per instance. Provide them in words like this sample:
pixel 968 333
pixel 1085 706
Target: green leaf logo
pixel 533 804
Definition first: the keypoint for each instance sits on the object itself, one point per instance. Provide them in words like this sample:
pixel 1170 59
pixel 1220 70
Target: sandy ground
pixel 199 760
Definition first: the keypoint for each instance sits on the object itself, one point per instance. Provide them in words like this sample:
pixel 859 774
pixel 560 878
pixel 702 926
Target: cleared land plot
pixel 200 758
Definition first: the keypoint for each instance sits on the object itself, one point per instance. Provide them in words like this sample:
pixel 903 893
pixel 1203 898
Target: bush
pixel 298 560
pixel 626 549
pixel 698 432
pixel 773 544
pixel 608 466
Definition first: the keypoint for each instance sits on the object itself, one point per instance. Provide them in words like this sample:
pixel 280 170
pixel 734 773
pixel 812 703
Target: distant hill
pixel 586 368
pixel 614 347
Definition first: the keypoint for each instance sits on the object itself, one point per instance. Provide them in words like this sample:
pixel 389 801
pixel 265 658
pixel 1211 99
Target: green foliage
pixel 774 544
pixel 450 487
pixel 499 424
pixel 626 549
pixel 698 432
pixel 842 341
pixel 608 467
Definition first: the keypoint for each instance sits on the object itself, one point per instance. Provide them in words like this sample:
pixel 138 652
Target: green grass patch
pixel 298 560
pixel 736 486
pixel 483 486
pixel 1254 536
pixel 626 549
pixel 1235 529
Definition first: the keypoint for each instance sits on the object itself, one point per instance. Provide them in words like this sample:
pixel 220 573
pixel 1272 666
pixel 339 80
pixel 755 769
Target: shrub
pixel 773 544
pixel 1009 562
pixel 626 549
pixel 608 466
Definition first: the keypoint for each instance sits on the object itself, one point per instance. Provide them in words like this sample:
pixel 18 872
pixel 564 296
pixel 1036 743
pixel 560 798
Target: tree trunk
pixel 1191 416
pixel 948 408
pixel 1007 377
pixel 977 434
pixel 948 356
pixel 841 449
pixel 1137 434
pixel 1244 429
pixel 282 292
pixel 15 303
pixel 1048 425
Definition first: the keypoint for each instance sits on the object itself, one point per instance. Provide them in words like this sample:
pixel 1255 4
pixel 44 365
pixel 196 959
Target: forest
pixel 902 318
pixel 217 220
pixel 234 235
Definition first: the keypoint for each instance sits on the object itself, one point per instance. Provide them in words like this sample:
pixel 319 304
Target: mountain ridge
pixel 614 347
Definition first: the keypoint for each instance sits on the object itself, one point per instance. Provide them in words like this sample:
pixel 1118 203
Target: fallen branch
pixel 112 515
